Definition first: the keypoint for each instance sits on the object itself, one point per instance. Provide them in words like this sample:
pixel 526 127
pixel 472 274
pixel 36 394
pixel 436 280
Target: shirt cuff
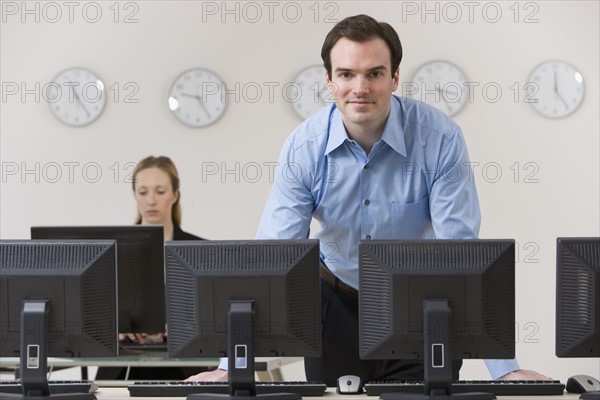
pixel 223 364
pixel 499 368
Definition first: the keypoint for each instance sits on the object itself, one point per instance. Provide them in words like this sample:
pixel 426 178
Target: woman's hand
pixel 142 338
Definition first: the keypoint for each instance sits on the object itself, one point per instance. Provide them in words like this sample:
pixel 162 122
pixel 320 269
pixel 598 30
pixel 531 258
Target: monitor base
pixel 456 396
pixel 278 396
pixel 54 396
pixel 591 395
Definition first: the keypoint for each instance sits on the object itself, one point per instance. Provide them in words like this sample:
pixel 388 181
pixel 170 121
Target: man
pixel 372 166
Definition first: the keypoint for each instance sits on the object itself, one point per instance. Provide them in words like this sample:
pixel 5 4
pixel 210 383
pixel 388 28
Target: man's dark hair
pixel 362 28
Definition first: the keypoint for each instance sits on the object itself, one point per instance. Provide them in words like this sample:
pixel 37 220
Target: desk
pixel 271 373
pixel 122 393
pixel 145 359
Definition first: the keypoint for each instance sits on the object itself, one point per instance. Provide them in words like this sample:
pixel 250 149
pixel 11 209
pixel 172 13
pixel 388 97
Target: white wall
pixel 170 37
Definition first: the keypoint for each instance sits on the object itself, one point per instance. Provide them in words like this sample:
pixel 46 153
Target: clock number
pixel 130 17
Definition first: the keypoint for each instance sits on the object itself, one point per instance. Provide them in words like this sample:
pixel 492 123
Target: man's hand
pixel 218 375
pixel 524 375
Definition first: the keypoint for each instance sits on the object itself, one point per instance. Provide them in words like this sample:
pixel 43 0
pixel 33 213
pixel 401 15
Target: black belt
pixel 335 282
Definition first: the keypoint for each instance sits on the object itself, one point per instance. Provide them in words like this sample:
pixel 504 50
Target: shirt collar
pixel 337 131
pixel 393 132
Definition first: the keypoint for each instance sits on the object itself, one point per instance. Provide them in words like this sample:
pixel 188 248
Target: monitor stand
pixel 240 355
pixel 438 357
pixel 34 356
pixel 591 395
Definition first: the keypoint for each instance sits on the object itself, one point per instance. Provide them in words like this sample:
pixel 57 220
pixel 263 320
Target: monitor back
pixel 140 266
pixel 78 278
pixel 578 297
pixel 476 276
pixel 281 277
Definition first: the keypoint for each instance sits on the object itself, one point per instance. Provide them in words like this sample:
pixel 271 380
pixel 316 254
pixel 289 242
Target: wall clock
pixel 76 96
pixel 197 97
pixel 555 89
pixel 309 93
pixel 442 85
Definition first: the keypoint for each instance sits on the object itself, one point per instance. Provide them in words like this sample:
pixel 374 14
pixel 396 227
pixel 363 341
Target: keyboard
pixel 182 389
pixel 55 387
pixel 499 388
pixel 135 347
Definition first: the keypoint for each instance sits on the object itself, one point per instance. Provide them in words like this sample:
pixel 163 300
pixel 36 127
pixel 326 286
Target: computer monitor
pixel 578 299
pixel 243 299
pixel 57 298
pixel 437 301
pixel 140 266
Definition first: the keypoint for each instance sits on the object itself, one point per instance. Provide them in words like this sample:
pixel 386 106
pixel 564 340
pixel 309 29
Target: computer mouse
pixel 349 384
pixel 582 384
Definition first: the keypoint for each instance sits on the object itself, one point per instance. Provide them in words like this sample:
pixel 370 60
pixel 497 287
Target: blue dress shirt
pixel 416 183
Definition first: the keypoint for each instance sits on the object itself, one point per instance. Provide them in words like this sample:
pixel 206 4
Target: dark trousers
pixel 339 324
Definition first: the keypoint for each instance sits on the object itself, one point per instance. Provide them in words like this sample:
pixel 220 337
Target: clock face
pixel 76 96
pixel 440 84
pixel 309 92
pixel 197 97
pixel 555 89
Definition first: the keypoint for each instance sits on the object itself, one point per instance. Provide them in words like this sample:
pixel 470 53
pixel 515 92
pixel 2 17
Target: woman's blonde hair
pixel 166 165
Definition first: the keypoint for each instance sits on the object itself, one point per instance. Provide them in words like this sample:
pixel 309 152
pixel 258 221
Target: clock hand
pixel 441 92
pixel 558 93
pixel 203 106
pixel 79 101
pixel 195 96
pixel 562 99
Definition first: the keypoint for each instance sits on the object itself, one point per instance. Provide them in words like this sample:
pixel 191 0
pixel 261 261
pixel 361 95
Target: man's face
pixel 362 82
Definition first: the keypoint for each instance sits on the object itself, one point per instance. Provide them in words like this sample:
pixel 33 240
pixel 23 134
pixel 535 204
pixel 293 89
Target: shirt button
pixel 367 202
pixel 368 237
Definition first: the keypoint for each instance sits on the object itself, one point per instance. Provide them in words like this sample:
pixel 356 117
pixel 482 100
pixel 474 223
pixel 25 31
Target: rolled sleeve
pixel 499 368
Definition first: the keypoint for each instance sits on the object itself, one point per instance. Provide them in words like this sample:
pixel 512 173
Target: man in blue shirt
pixel 370 166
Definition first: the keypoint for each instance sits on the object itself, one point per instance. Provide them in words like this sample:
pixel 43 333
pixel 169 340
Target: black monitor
pixel 437 301
pixel 140 258
pixel 578 299
pixel 242 299
pixel 57 298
